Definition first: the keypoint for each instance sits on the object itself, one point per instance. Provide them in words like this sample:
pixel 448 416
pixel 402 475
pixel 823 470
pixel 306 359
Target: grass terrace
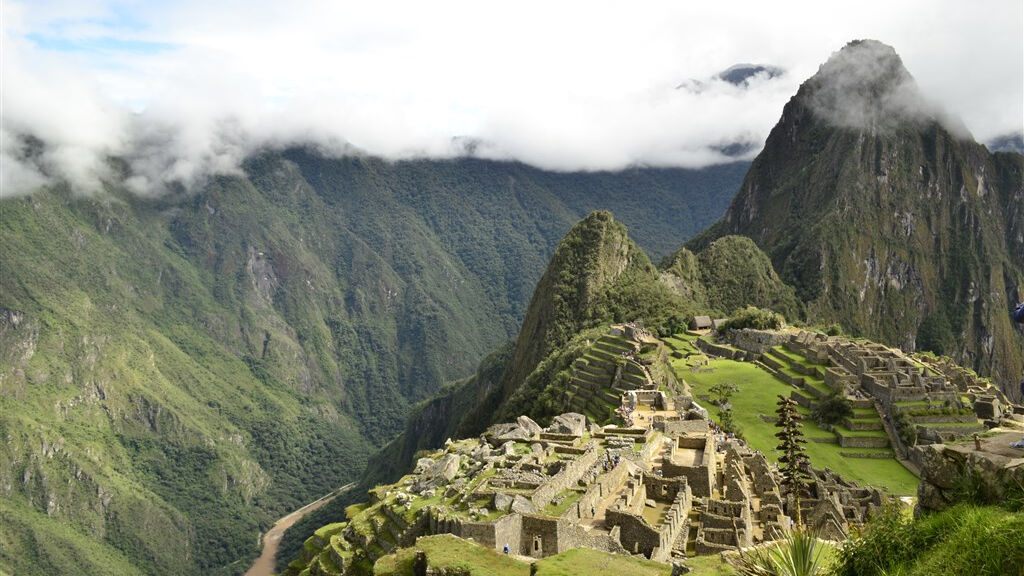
pixel 569 497
pixel 587 561
pixel 447 551
pixel 758 392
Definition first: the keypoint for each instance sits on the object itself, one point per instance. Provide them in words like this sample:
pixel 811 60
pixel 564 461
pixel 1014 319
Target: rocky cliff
pixel 887 217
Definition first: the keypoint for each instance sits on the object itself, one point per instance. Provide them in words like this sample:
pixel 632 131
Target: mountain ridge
pixel 885 220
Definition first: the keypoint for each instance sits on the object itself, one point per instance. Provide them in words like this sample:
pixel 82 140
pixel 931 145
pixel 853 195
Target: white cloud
pixel 566 85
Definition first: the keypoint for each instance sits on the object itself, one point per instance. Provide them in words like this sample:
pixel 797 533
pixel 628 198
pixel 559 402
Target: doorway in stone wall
pixel 538 547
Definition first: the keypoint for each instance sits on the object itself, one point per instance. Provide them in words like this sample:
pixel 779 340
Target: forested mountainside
pixel 889 218
pixel 176 372
pixel 881 215
pixel 597 275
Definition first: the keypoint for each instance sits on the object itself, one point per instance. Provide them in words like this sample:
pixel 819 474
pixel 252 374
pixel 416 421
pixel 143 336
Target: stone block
pixel 526 423
pixel 502 501
pixel 522 505
pixel 569 423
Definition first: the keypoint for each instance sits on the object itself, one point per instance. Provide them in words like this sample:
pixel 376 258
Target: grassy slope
pixel 964 540
pixel 758 393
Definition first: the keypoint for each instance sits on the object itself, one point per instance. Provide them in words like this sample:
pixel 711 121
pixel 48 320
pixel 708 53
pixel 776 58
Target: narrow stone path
pixel 265 564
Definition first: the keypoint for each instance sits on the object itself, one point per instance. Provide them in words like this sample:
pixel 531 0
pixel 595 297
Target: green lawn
pixel 587 561
pixel 447 551
pixel 709 566
pixel 781 351
pixel 758 394
pixel 570 497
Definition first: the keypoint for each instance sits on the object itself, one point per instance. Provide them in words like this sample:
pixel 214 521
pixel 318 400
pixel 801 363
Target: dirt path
pixel 264 565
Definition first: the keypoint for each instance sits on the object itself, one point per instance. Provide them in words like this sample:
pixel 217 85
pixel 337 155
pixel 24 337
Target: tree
pixel 721 392
pixel 833 409
pixel 756 318
pixel 720 395
pixel 794 461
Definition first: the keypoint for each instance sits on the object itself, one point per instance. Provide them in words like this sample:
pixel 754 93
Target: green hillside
pixel 197 364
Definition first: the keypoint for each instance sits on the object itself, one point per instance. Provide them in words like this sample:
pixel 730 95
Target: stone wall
pixel 701 477
pixel 635 534
pixel 605 485
pixel 838 378
pixel 757 341
pixel 663 489
pixel 674 522
pixel 864 441
pixel 566 478
pixel 718 350
pixel 539 536
pixel 507 530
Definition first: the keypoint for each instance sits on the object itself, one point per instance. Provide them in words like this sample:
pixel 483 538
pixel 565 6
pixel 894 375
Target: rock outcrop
pixel 986 470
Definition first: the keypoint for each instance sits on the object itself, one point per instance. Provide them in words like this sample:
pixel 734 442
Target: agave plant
pixel 800 553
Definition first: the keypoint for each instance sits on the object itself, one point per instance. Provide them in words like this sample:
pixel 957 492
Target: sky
pixel 186 89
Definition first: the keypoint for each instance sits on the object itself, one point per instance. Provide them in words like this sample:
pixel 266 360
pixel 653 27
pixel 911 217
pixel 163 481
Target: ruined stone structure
pixel 661 484
pixel 919 397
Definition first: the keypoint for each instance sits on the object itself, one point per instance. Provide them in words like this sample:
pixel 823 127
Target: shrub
pixel 965 539
pixel 757 318
pixel 832 410
pixel 798 554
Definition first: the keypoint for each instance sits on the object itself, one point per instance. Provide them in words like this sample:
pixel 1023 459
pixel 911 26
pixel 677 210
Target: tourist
pixel 506 548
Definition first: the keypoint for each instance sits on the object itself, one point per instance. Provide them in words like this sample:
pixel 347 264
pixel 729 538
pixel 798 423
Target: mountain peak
pixel 865 86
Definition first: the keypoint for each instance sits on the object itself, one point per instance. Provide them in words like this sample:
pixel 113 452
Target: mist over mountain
pixel 248 256
pixel 887 217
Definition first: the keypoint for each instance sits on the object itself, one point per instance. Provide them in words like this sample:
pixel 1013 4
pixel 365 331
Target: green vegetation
pixel 833 409
pixel 793 460
pixel 849 219
pixel 447 551
pixel 585 561
pixel 737 274
pixel 756 397
pixel 756 318
pixel 800 553
pixel 729 274
pixel 199 364
pixel 963 540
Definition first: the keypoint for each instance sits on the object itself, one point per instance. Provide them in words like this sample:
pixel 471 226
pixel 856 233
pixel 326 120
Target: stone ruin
pixel 938 400
pixel 664 484
pixel 664 490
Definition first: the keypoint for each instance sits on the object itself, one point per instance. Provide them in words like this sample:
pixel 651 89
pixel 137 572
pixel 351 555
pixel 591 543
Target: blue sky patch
pixel 98 44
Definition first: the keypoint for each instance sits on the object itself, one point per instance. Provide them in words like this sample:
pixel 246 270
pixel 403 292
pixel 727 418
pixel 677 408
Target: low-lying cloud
pixel 188 90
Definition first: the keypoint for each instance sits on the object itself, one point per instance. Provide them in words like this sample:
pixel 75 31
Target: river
pixel 264 565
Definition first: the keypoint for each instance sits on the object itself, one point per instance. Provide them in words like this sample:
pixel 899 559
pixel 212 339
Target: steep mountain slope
pixel 887 217
pixel 596 276
pixel 175 372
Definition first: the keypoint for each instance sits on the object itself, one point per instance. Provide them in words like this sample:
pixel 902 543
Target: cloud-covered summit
pixel 866 86
pixel 185 89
